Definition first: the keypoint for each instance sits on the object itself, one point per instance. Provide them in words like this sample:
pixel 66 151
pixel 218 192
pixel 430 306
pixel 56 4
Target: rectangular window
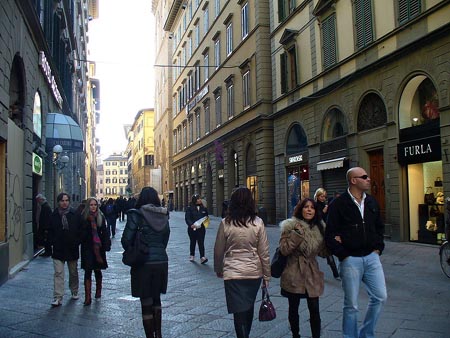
pixel 180 145
pixel 217 9
pixel 196 35
pixel 205 21
pixel 329 41
pixel 184 135
pixel 189 47
pixel 217 53
pixel 246 89
pixel 207 119
pixel 206 66
pixel 288 68
pixel 229 38
pixel 408 9
pixel 149 160
pixel 218 100
pixel 197 76
pixel 191 130
pixel 285 7
pixel 175 140
pixel 363 23
pixel 197 124
pixel 244 20
pixel 230 101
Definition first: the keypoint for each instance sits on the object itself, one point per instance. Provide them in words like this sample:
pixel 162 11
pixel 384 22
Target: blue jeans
pixel 354 270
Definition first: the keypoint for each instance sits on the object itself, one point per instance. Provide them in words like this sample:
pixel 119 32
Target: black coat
pixel 359 236
pixel 192 214
pixel 44 223
pixel 65 243
pixel 88 259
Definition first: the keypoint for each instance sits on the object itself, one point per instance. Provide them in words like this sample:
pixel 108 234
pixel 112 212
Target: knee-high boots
pixel 87 292
pixel 98 285
pixel 294 323
pixel 157 318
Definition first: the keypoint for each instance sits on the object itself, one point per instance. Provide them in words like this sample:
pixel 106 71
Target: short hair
pixel 299 208
pixel 61 195
pixel 319 192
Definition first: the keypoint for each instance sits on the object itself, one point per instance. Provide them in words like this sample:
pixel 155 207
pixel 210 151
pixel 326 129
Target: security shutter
pixel 334 180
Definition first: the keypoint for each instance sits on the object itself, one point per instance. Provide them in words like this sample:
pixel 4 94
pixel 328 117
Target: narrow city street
pixel 194 306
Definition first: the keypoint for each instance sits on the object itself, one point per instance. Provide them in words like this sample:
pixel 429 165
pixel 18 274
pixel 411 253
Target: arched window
pixel 37 115
pixel 297 141
pixel 372 112
pixel 334 125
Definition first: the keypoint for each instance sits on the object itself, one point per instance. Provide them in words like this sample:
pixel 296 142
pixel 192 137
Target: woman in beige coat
pixel 241 258
pixel 302 241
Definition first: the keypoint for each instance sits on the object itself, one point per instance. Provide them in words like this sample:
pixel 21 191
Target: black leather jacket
pixel 155 223
pixel 360 236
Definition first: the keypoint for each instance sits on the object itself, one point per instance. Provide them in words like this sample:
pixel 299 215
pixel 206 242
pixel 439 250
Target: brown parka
pixel 302 245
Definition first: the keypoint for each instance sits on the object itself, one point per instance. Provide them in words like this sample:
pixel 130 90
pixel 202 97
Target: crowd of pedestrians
pixel 348 226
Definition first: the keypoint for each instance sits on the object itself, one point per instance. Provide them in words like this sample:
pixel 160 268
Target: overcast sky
pixel 121 42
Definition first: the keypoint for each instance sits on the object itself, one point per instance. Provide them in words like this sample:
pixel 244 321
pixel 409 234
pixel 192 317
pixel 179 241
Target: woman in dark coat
pixel 149 281
pixel 95 241
pixel 195 211
pixel 64 237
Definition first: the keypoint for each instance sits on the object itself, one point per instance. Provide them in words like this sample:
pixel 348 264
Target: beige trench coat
pixel 302 247
pixel 242 252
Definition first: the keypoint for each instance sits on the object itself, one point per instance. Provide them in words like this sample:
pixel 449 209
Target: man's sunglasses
pixel 364 177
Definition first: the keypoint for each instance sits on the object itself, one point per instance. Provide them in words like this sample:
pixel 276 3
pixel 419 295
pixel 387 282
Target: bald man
pixel 354 234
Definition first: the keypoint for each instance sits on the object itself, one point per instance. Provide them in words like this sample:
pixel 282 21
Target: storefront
pixel 423 164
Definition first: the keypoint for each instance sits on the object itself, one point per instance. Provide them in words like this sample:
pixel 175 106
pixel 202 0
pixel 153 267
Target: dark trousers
pixel 197 236
pixel 112 225
pixel 314 315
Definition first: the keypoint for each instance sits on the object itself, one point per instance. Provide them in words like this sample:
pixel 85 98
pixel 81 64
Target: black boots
pixel 157 317
pixel 98 286
pixel 87 292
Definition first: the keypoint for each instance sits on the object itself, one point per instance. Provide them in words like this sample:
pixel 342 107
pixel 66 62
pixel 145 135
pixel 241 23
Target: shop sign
pixel 36 162
pixel 297 158
pixel 197 99
pixel 419 151
pixel 46 69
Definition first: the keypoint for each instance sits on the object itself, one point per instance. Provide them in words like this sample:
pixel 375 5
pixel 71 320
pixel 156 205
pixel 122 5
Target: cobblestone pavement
pixel 194 306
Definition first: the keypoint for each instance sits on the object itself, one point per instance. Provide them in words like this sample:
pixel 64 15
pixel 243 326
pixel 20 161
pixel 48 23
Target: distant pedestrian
pixel 95 241
pixel 64 236
pixel 43 214
pixel 196 232
pixel 149 281
pixel 241 258
pixel 111 214
pixel 302 240
pixel 354 234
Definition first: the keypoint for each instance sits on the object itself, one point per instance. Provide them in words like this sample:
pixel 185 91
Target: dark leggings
pixel 197 236
pixel 88 274
pixel 243 323
pixel 314 314
pixel 147 305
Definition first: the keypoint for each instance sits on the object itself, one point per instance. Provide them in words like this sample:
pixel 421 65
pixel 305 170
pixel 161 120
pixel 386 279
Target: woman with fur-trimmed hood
pixel 302 240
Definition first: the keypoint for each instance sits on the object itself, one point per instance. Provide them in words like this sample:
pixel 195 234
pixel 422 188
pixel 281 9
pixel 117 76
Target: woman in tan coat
pixel 302 241
pixel 241 258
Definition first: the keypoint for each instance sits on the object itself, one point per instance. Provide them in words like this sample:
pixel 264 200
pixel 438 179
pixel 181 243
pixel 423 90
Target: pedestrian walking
pixel 111 214
pixel 241 258
pixel 354 234
pixel 302 240
pixel 196 232
pixel 43 214
pixel 95 241
pixel 149 281
pixel 64 236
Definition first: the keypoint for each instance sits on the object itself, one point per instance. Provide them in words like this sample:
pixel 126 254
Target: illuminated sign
pixel 45 67
pixel 295 159
pixel 36 163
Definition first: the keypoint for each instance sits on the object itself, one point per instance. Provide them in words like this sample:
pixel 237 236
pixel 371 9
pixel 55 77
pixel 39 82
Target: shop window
pixel 37 115
pixel 297 141
pixel 334 125
pixel 372 112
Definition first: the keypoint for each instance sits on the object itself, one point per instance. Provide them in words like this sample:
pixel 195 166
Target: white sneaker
pixel 56 302
pixel 75 295
pixel 191 258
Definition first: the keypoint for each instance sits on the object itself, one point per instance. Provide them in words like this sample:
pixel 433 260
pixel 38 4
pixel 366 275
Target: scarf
pixel 62 214
pixel 96 242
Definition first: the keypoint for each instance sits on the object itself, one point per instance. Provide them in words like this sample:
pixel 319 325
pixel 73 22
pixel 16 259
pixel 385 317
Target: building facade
pixel 221 100
pixel 364 83
pixel 42 89
pixel 115 176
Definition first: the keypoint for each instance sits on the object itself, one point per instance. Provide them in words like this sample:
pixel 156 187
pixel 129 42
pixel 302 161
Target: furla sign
pixel 419 151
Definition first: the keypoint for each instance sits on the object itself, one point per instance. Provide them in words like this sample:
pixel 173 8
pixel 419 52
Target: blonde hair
pixel 319 192
pixel 86 210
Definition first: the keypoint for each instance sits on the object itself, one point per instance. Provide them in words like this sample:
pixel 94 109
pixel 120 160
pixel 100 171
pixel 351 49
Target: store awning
pixel 331 164
pixel 63 130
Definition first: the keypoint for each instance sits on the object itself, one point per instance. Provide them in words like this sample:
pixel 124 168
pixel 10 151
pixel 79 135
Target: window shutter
pixel 363 22
pixel 281 10
pixel 283 67
pixel 329 41
pixel 408 9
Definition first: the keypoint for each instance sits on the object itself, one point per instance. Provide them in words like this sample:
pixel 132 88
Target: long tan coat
pixel 302 247
pixel 242 252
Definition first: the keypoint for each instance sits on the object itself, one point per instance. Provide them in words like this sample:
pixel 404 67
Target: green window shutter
pixel 281 10
pixel 283 71
pixel 408 9
pixel 363 22
pixel 329 41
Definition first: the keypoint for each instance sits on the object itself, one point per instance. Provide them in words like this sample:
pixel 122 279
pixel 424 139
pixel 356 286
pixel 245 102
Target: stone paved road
pixel 194 306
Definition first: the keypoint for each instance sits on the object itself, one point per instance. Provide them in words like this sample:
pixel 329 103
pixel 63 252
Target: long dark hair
pixel 241 207
pixel 148 195
pixel 317 219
